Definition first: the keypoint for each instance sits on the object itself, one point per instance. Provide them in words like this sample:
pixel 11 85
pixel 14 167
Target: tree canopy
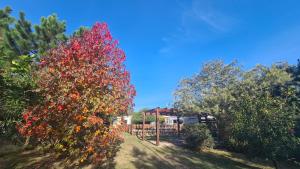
pixel 256 110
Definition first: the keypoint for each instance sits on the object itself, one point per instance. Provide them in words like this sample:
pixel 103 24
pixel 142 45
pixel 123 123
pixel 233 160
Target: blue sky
pixel 168 40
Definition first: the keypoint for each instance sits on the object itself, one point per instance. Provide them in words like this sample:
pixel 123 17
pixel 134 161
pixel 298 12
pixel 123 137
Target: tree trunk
pixel 26 142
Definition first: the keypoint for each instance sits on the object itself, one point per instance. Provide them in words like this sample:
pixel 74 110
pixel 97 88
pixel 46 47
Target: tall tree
pixel 5 21
pixel 84 83
pixel 209 91
pixel 263 114
pixel 295 72
pixel 50 33
pixel 20 49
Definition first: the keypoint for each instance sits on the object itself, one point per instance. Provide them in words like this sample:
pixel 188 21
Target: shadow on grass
pixel 34 159
pixel 177 157
pixel 27 159
pixel 148 161
pixel 202 159
pixel 172 139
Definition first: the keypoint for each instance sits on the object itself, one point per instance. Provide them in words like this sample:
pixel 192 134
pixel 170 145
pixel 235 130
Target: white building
pixel 170 120
pixel 128 119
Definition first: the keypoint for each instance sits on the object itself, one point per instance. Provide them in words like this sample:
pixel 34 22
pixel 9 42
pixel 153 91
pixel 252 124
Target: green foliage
pixel 295 72
pixel 198 136
pixel 210 91
pixel 20 50
pixel 263 113
pixel 255 110
pixel 137 118
pixel 49 33
pixel 80 31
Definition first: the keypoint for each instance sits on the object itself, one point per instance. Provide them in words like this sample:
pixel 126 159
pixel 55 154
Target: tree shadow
pixel 182 158
pixel 171 139
pixel 146 161
pixel 27 159
pixel 34 159
pixel 193 159
pixel 179 153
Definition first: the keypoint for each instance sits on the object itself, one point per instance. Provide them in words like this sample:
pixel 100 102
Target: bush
pixel 198 136
pixel 83 84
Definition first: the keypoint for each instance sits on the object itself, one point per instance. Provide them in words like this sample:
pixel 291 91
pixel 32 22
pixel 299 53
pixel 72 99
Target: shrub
pixel 198 136
pixel 84 84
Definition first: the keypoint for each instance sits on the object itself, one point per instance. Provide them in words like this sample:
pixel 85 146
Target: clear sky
pixel 167 40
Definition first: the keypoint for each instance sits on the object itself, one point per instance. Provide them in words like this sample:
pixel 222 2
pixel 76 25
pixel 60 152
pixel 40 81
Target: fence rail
pixel 150 130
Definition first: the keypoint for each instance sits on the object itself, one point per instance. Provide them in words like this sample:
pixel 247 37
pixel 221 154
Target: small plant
pixel 198 136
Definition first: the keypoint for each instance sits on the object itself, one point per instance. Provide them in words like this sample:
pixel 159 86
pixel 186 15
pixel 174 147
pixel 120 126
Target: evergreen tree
pixel 49 33
pixel 5 21
pixel 21 46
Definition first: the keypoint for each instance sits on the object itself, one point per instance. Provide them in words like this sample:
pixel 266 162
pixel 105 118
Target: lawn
pixel 135 154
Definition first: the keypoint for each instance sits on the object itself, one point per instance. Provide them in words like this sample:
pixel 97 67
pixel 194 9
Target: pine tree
pixel 21 46
pixel 50 33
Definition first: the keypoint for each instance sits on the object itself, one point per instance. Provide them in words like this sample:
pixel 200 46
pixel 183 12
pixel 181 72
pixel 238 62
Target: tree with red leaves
pixel 84 83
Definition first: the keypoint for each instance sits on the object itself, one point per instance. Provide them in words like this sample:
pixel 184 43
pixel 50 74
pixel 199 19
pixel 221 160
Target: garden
pixel 60 96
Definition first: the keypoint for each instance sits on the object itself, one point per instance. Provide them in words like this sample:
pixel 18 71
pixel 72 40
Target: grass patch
pixel 137 154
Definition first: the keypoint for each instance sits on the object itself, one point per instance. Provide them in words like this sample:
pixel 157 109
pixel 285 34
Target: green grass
pixel 136 154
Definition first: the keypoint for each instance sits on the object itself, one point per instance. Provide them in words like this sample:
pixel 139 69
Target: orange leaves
pixel 90 149
pixel 83 82
pixel 51 70
pixel 77 129
pixel 85 109
pixel 79 118
pixel 75 96
pixel 95 120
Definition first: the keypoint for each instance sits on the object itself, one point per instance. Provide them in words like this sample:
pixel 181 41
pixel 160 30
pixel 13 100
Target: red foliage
pixel 84 83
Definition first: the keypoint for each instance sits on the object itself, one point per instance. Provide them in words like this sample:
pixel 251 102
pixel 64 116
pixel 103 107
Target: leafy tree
pixel 255 110
pixel 83 83
pixel 210 91
pixel 263 114
pixel 295 72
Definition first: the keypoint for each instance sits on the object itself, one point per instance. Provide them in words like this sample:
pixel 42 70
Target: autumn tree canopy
pixel 83 83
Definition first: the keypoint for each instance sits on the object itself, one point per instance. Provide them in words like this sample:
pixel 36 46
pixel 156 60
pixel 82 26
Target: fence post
pixel 178 127
pixel 157 126
pixel 143 130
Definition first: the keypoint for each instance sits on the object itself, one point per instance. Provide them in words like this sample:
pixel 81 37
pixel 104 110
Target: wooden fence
pixel 150 130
